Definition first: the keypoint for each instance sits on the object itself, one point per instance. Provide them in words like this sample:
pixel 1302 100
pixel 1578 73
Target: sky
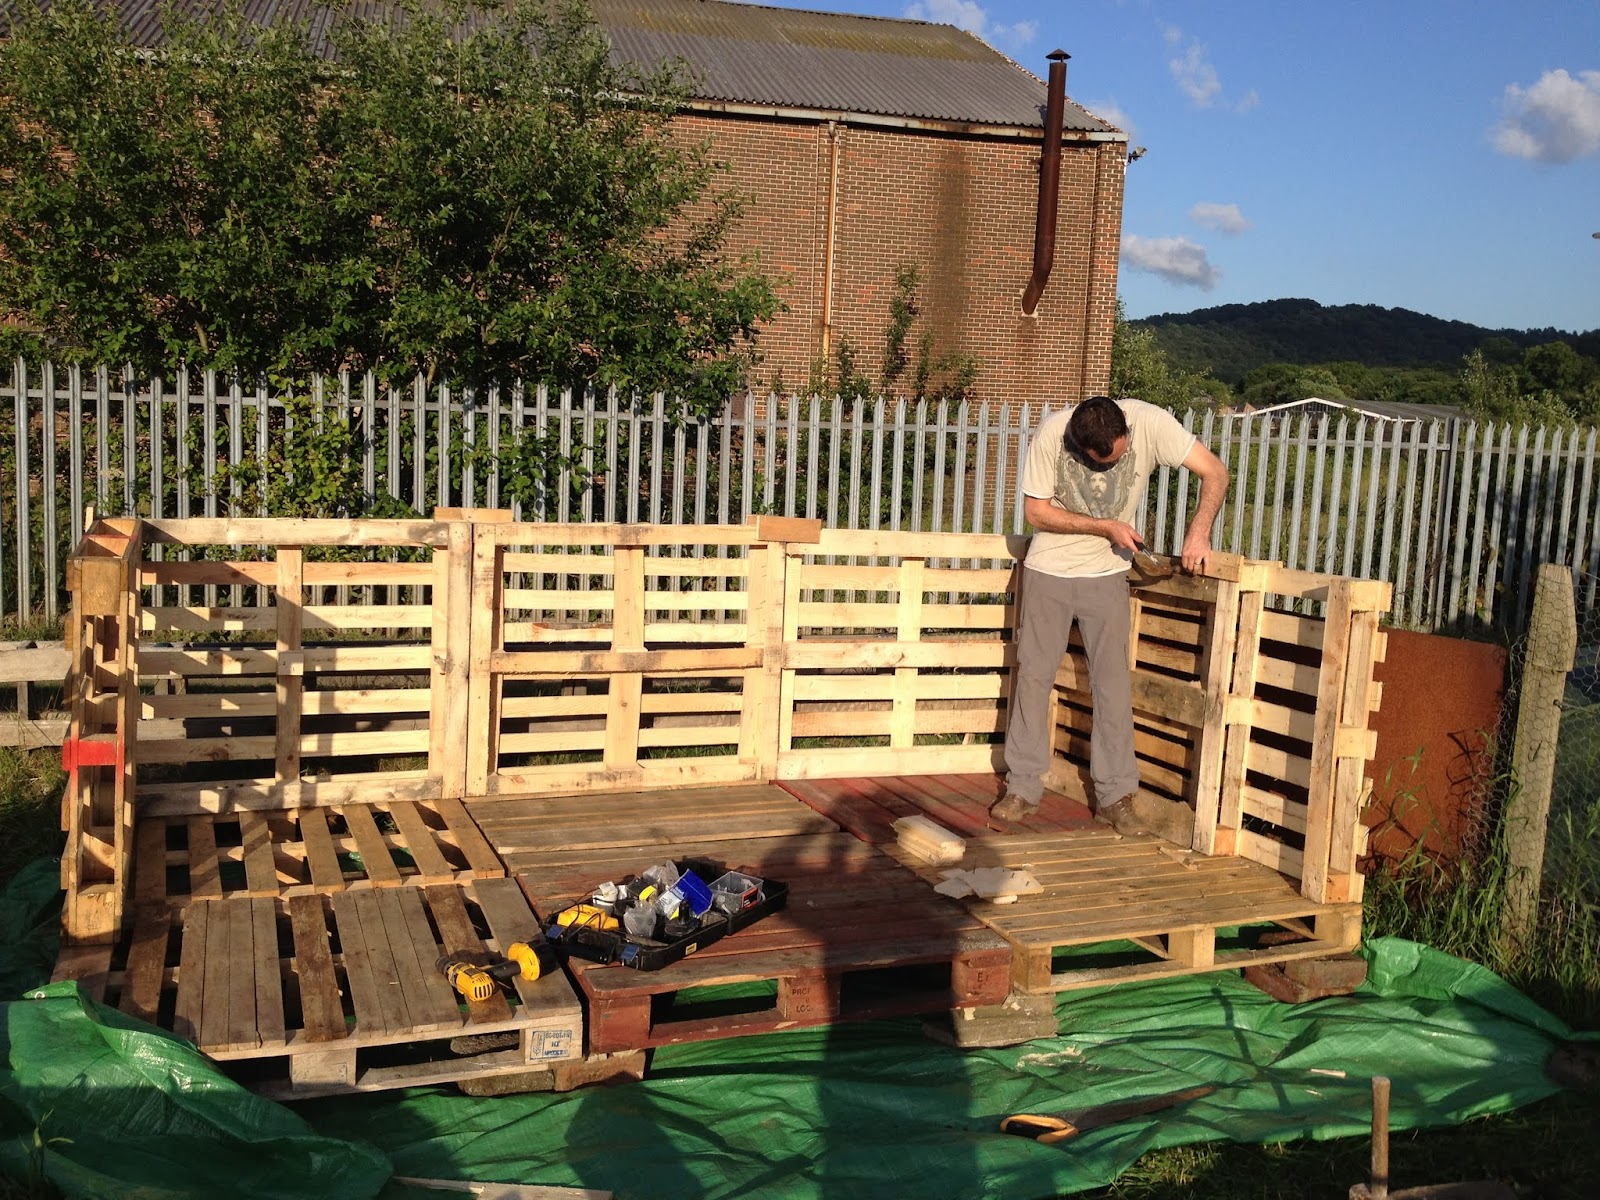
pixel 1437 155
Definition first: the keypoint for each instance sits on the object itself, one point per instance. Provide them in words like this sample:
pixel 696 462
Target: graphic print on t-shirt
pixel 1102 494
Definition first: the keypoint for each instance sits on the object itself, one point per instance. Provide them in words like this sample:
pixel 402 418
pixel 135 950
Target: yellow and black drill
pixel 476 975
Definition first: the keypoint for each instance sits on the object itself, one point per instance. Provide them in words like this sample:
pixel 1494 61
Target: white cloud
pixel 1225 218
pixel 1192 70
pixel 1112 112
pixel 974 18
pixel 1177 260
pixel 1555 120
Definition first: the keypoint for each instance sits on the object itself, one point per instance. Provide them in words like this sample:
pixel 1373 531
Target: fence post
pixel 1552 650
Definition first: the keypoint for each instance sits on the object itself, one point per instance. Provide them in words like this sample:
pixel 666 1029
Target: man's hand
pixel 1121 535
pixel 1196 551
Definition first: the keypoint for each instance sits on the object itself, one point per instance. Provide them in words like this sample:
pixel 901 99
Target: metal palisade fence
pixel 1457 515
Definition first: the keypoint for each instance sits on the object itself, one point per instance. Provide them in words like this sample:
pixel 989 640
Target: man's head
pixel 1097 433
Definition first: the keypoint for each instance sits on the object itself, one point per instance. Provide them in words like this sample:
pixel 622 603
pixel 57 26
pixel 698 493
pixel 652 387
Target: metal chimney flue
pixel 1044 231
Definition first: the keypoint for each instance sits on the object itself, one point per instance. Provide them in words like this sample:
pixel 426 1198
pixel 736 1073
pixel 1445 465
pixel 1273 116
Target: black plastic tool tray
pixel 613 946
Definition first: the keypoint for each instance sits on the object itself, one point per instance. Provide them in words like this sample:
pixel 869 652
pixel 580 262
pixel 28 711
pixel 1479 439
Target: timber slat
pixel 320 857
pixel 147 964
pixel 322 1014
pixel 457 936
pixel 375 858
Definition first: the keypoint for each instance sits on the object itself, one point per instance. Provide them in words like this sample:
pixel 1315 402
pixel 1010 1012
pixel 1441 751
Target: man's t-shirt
pixel 1052 473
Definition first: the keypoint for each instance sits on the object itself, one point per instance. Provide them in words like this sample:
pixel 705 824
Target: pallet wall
pixel 615 657
pixel 898 650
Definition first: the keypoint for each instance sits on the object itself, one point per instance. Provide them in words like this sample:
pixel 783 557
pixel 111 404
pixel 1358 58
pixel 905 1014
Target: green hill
pixel 1232 339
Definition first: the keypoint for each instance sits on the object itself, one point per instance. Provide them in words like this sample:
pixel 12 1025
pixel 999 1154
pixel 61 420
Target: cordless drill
pixel 475 975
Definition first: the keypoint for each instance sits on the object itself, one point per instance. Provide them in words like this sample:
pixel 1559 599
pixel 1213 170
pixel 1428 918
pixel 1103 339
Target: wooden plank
pixel 375 1012
pixel 204 879
pixel 150 863
pixel 322 1015
pixel 260 872
pixel 456 605
pixel 429 1000
pixel 155 663
pixel 1330 695
pixel 510 920
pixel 321 859
pixel 1217 672
pixel 190 1009
pixel 376 860
pixel 481 857
pixel 457 936
pixel 217 972
pixel 1350 787
pixel 268 1009
pixel 419 841
pixel 222 796
pixel 483 755
pixel 147 964
pixel 271 531
pixel 290 683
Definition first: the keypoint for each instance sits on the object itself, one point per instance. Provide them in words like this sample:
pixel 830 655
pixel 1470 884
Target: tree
pixel 1139 368
pixel 477 193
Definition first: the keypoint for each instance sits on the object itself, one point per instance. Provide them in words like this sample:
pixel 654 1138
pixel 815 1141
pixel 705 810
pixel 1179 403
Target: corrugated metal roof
pixel 833 62
pixel 747 54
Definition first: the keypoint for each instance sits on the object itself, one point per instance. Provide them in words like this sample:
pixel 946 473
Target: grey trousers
pixel 1049 605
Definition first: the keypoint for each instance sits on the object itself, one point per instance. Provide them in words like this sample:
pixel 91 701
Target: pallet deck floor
pixel 255 944
pixel 860 936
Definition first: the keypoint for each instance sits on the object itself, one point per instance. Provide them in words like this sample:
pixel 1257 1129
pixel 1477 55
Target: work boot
pixel 1170 820
pixel 1120 816
pixel 1012 807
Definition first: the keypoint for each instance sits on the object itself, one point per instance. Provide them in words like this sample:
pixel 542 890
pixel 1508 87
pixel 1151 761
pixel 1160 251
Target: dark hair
pixel 1095 425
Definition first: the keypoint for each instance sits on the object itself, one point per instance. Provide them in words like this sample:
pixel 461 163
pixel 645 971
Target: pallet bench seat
pixel 1151 911
pixel 1148 909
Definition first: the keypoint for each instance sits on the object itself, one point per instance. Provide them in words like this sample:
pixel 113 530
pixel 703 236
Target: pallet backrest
pixel 617 657
pixel 296 663
pixel 898 649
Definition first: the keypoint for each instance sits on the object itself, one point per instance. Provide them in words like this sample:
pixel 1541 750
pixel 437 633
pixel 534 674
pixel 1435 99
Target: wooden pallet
pixel 313 994
pixel 291 852
pixel 860 937
pixel 1151 910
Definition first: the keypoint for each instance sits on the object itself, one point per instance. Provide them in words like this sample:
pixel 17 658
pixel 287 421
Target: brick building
pixel 867 144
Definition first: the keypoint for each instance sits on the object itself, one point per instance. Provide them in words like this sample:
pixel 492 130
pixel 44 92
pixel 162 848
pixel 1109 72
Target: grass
pixel 31 782
pixel 1545 1150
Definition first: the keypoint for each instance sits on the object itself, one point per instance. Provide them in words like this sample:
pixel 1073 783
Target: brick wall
pixel 961 210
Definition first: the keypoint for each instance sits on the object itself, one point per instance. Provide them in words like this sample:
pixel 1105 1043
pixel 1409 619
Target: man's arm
pixel 1213 488
pixel 1046 514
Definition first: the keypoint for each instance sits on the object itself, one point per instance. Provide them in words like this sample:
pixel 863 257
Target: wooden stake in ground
pixel 1552 649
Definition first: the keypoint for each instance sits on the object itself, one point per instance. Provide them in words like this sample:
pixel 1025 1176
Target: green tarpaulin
pixel 108 1107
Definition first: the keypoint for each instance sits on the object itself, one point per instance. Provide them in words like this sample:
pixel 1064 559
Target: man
pixel 1082 486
